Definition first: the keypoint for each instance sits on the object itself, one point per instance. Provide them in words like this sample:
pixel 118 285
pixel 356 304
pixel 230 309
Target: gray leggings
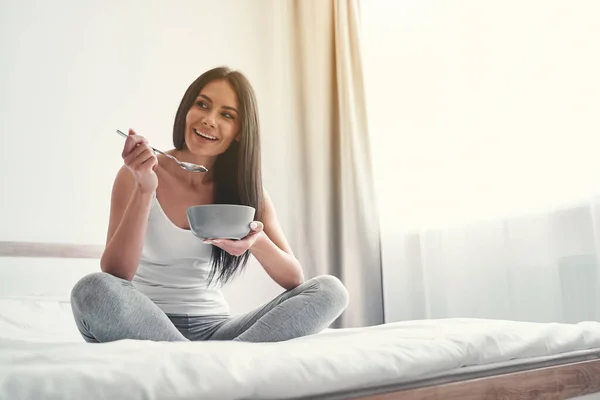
pixel 107 308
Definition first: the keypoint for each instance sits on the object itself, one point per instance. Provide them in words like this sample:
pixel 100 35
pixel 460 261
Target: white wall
pixel 71 72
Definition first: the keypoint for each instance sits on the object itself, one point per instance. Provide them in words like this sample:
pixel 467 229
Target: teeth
pixel 204 135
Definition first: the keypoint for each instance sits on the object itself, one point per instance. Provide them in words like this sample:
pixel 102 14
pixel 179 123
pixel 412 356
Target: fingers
pixel 257 226
pixel 146 158
pixel 135 153
pixel 132 141
pixel 238 247
pixel 152 162
pixel 235 248
pixel 141 155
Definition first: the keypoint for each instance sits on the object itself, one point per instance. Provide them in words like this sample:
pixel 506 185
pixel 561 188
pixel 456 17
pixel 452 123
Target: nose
pixel 208 120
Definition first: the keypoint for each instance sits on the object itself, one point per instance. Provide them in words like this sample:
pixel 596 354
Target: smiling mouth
pixel 204 135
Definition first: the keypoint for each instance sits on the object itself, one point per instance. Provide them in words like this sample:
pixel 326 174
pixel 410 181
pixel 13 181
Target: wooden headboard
pixel 49 250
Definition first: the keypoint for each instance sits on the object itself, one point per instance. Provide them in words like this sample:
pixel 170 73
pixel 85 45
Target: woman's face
pixel 212 123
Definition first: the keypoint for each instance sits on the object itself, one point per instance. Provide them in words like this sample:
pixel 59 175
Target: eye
pixel 227 115
pixel 202 104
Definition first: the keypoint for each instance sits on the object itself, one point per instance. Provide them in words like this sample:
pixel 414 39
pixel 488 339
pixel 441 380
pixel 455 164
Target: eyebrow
pixel 225 107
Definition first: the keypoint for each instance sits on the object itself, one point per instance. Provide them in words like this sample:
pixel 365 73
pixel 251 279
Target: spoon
pixel 185 165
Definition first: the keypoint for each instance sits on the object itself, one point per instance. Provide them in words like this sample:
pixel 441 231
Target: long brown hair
pixel 237 172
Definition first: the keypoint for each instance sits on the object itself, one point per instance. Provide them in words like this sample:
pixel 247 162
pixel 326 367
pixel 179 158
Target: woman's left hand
pixel 239 247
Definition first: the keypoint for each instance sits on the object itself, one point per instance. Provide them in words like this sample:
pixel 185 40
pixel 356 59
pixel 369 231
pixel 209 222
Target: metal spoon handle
pixel 156 150
pixel 122 134
pixel 160 152
pixel 185 165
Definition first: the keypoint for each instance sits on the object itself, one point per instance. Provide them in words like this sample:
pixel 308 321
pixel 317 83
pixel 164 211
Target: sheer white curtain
pixel 484 124
pixel 330 194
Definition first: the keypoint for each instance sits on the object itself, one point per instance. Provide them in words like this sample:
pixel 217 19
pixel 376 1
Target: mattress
pixel 42 356
pixel 37 319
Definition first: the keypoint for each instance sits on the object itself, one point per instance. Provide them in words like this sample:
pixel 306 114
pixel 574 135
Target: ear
pixel 237 138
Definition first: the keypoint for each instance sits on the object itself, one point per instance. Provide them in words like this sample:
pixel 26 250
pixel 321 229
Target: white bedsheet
pixel 42 364
pixel 38 319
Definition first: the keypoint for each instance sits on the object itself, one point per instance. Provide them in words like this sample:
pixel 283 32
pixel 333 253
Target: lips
pixel 205 135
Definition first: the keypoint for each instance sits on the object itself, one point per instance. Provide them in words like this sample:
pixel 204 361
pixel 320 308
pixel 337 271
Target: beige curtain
pixel 335 221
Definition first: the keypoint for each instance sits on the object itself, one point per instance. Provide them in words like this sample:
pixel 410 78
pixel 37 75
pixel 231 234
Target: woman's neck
pixel 195 179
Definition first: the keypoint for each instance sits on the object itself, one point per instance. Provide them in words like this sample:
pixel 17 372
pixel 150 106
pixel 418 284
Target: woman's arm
pixel 273 252
pixel 129 210
pixel 267 243
pixel 130 206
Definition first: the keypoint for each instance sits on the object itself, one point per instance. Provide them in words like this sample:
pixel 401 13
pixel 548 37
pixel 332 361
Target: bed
pixel 42 356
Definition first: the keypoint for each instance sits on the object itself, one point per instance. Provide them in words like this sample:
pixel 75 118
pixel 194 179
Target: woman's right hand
pixel 141 161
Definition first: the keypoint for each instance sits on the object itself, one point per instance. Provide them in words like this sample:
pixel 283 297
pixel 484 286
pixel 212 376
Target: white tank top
pixel 174 267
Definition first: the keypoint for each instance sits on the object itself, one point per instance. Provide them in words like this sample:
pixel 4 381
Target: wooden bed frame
pixel 564 379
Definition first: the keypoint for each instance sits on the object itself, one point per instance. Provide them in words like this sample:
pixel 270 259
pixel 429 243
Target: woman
pixel 160 282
